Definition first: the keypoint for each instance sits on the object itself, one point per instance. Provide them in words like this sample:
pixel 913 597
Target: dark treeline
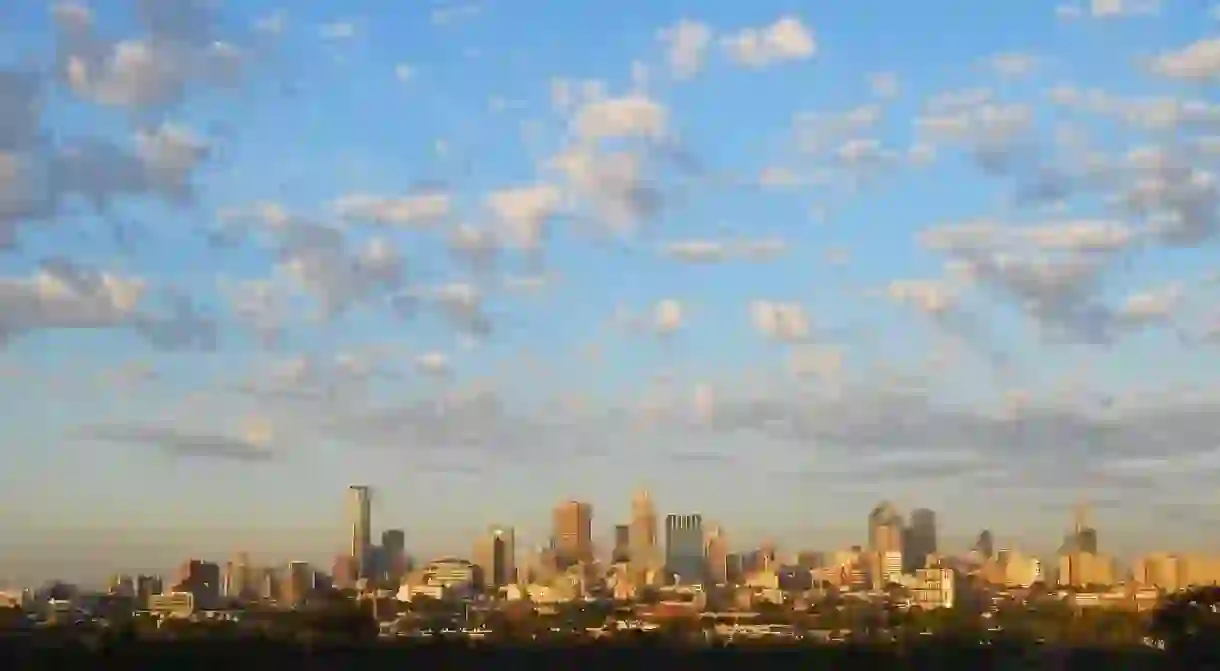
pixel 181 654
pixel 1186 624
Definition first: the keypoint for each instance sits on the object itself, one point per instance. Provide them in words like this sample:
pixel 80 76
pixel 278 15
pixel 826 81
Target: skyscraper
pixel 717 553
pixel 495 555
pixel 393 555
pixel 622 543
pixel 885 529
pixel 684 548
pixel 920 539
pixel 360 519
pixel 642 536
pixel 985 545
pixel 572 524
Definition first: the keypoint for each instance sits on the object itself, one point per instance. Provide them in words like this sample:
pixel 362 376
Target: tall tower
pixel 360 521
pixel 920 539
pixel 1085 535
pixel 495 554
pixel 885 529
pixel 716 545
pixel 622 544
pixel 572 524
pixel 642 532
pixel 685 551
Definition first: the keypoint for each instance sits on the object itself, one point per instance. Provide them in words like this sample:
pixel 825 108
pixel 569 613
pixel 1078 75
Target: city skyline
pixel 569 540
pixel 772 264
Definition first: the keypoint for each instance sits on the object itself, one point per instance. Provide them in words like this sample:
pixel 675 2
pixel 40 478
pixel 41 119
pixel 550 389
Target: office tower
pixel 684 550
pixel 343 572
pixel 393 556
pixel 360 521
pixel 572 522
pixel 1085 569
pixel 768 553
pixel 920 539
pixel 642 536
pixel 985 545
pixel 622 544
pixel 1082 537
pixel 885 529
pixel 735 567
pixel 298 584
pixel 495 555
pixel 202 579
pixel 1086 536
pixel 146 586
pixel 717 553
pixel 1160 570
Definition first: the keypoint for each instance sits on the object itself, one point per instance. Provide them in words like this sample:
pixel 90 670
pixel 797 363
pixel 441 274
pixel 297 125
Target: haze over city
pixel 772 261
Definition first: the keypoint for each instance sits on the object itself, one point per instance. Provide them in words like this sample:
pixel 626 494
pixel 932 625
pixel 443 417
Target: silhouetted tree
pixel 1189 624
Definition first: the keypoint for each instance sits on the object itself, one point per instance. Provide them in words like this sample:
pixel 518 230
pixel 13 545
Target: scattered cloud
pixel 788 39
pixel 687 45
pixel 254 444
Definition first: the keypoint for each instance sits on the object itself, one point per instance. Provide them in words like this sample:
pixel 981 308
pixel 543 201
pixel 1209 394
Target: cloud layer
pixel 992 279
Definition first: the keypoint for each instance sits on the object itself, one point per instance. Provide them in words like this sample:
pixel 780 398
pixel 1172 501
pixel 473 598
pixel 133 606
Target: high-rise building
pixel 343 571
pixel 985 545
pixel 642 536
pixel 1085 569
pixel 393 556
pixel 572 522
pixel 684 549
pixel 495 555
pixel 202 579
pixel 920 539
pixel 622 544
pixel 717 553
pixel 885 529
pixel 1082 537
pixel 298 583
pixel 360 521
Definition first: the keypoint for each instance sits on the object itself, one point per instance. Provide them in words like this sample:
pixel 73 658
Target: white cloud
pixel 687 44
pixel 1199 61
pixel 784 41
pixel 628 116
pixel 417 210
pixel 668 316
pixel 780 320
pixel 526 211
pixel 62 295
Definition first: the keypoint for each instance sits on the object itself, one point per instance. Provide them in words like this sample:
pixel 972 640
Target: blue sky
pixel 774 261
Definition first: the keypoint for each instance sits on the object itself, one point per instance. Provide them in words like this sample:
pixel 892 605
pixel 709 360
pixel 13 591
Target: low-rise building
pixel 172 604
pixel 933 588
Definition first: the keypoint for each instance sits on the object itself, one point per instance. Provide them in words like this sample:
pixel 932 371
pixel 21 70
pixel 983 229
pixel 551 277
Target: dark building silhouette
pixel 684 549
pixel 392 559
pixel 920 539
pixel 985 545
pixel 622 543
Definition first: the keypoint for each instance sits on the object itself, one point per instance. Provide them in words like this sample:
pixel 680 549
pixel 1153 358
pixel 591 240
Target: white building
pixel 172 604
pixel 451 573
pixel 891 567
pixel 933 588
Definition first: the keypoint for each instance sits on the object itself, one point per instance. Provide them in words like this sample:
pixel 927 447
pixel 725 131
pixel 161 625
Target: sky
pixel 773 261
